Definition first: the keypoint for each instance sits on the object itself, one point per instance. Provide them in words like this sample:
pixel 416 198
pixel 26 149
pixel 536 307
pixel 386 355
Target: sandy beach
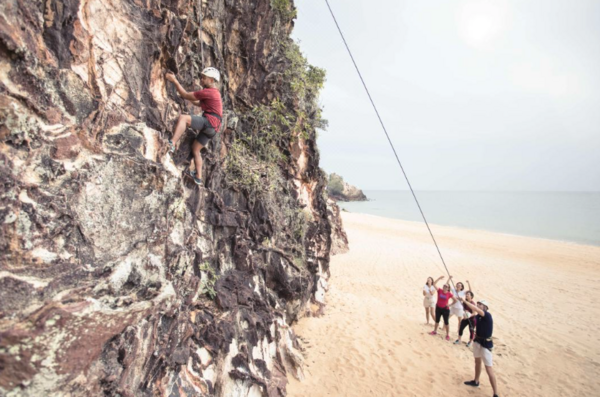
pixel 373 341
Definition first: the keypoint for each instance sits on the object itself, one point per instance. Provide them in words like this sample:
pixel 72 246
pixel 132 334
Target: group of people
pixel 449 301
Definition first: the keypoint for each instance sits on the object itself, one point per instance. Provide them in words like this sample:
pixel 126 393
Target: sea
pixel 564 216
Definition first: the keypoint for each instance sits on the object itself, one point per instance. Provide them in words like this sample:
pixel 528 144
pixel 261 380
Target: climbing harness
pixel 214 115
pixel 389 140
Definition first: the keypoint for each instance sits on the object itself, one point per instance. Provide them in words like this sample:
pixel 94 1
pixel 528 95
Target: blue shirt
pixel 484 329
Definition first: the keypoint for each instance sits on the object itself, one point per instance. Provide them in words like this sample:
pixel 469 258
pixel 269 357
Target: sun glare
pixel 480 22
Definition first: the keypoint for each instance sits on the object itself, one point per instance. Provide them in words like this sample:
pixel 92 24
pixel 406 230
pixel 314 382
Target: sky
pixel 475 94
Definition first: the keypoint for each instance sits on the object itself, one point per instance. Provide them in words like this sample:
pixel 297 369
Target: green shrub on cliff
pixel 247 172
pixel 305 81
pixel 304 78
pixel 284 8
pixel 271 126
pixel 259 157
pixel 208 280
pixel 269 129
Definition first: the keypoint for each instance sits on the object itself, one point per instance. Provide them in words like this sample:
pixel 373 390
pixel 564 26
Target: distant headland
pixel 342 191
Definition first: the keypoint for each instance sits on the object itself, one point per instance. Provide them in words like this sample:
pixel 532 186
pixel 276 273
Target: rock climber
pixel 207 125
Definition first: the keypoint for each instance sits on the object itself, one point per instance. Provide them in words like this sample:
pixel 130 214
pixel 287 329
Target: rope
pixel 191 107
pixel 390 141
pixel 200 31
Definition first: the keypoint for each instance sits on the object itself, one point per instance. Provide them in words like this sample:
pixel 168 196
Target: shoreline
pixel 474 229
pixel 372 339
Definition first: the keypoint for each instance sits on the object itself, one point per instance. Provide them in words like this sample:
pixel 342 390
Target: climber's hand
pixel 171 77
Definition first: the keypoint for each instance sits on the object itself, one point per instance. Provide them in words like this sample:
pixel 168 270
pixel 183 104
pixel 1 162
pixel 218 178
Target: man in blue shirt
pixel 482 345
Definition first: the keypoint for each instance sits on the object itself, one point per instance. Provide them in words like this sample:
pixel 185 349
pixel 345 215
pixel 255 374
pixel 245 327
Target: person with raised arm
pixel 468 319
pixel 207 125
pixel 442 308
pixel 457 309
pixel 483 344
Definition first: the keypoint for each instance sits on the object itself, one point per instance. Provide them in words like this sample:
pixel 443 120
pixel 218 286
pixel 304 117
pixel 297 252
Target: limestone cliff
pixel 118 277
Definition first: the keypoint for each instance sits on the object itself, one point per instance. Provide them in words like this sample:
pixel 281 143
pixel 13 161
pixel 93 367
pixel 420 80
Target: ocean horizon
pixel 564 216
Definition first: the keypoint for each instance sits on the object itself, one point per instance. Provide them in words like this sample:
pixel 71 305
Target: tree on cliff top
pixel 335 185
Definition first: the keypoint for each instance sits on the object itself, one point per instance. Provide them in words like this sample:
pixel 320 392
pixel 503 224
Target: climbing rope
pixel 200 31
pixel 390 141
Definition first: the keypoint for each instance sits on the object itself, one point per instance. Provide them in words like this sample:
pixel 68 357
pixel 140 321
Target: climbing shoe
pixel 472 383
pixel 193 175
pixel 171 146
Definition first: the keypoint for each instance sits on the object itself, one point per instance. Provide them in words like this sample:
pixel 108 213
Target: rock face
pixel 118 277
pixel 342 191
pixel 339 240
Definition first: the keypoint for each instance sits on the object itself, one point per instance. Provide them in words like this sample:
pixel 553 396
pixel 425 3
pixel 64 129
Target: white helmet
pixel 212 72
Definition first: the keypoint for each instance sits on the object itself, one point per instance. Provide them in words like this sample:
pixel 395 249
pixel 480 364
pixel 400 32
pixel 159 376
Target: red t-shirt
pixel 443 298
pixel 210 101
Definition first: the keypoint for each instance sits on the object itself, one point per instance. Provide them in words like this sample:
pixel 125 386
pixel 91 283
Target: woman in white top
pixel 458 309
pixel 429 292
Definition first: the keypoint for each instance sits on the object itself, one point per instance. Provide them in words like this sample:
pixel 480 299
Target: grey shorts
pixel 205 130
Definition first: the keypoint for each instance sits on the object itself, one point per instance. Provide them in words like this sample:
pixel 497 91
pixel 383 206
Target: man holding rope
pixel 482 345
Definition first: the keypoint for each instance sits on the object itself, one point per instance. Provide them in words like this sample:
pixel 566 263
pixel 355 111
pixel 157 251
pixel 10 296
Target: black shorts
pixel 206 131
pixel 439 313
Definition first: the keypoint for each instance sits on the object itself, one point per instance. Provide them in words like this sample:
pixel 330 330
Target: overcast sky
pixel 475 94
